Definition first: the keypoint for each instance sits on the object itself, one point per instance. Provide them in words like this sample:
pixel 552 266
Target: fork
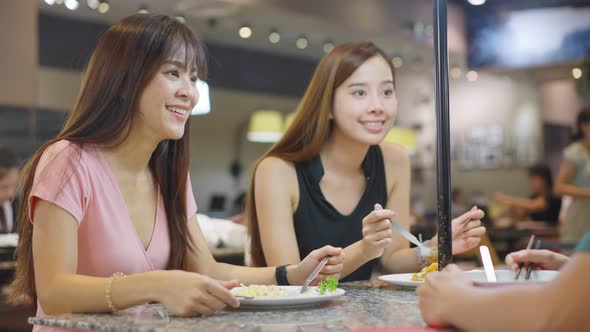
pixel 312 275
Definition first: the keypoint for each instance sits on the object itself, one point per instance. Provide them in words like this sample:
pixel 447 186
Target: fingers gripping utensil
pixel 313 274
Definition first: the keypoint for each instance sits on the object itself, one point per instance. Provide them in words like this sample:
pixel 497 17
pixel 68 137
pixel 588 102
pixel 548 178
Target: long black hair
pixel 582 119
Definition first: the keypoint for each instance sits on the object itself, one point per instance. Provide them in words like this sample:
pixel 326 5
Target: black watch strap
pixel 281 275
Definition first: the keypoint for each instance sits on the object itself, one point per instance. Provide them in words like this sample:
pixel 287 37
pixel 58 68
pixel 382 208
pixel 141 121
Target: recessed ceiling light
pixel 103 7
pixel 577 73
pixel 328 46
pixel 93 3
pixel 245 31
pixel 72 4
pixel 301 42
pixel 274 37
pixel 397 61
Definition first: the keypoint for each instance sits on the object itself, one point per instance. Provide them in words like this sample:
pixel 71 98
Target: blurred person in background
pixel 9 171
pixel 542 204
pixel 573 179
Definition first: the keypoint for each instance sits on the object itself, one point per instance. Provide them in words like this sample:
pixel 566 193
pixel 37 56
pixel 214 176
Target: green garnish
pixel 328 285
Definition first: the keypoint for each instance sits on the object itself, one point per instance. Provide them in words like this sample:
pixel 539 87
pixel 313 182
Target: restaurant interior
pixel 518 75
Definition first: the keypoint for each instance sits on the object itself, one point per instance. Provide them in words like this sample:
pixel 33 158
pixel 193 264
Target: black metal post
pixel 443 151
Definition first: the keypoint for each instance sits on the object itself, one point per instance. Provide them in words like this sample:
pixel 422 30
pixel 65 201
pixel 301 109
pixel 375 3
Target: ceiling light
pixel 274 37
pixel 265 126
pixel 577 73
pixel 103 7
pixel 455 72
pixel 301 42
pixel 397 61
pixel 328 46
pixel 93 3
pixel 245 31
pixel 472 75
pixel 50 2
pixel 476 2
pixel 143 10
pixel 72 4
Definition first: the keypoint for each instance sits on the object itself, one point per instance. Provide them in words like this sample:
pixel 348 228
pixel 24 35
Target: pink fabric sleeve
pixel 61 179
pixel 191 205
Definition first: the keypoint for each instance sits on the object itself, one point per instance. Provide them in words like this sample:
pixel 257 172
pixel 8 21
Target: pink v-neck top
pixel 80 181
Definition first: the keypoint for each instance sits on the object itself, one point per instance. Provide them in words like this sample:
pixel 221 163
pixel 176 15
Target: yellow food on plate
pixel 259 290
pixel 419 276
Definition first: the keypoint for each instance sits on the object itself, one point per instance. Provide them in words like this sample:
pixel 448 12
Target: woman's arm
pixel 398 257
pixel 61 290
pixel 277 197
pixel 563 185
pixel 450 298
pixel 537 204
pixel 202 262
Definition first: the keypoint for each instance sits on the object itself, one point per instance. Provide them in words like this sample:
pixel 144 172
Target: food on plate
pixel 419 276
pixel 259 290
pixel 327 286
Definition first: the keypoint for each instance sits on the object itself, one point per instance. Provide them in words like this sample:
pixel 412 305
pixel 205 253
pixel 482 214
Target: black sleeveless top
pixel 317 223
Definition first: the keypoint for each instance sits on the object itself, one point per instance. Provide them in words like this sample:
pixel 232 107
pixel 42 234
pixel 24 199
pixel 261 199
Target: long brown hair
pixel 311 126
pixel 127 57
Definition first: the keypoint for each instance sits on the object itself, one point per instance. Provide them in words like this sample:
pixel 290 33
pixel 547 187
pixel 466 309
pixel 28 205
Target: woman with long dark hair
pixel 328 178
pixel 110 195
pixel 573 180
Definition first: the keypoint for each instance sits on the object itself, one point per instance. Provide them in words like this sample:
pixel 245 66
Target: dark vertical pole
pixel 443 151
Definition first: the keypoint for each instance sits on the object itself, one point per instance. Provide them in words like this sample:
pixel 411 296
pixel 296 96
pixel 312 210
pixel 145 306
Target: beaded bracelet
pixel 108 294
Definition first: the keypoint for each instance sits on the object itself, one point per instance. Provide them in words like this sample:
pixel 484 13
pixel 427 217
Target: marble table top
pixel 365 305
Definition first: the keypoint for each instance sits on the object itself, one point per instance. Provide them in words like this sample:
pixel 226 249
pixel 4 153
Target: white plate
pixel 400 279
pixel 310 296
pixel 504 277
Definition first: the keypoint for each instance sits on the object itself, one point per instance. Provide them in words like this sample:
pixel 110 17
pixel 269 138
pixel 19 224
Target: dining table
pixel 365 306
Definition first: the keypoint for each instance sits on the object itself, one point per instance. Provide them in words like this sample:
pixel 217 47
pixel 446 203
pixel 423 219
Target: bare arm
pixel 450 298
pixel 277 196
pixel 398 257
pixel 202 262
pixel 530 204
pixel 563 185
pixel 60 289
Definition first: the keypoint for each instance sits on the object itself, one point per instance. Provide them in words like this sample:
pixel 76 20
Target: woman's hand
pixel 437 289
pixel 544 259
pixel 333 268
pixel 377 231
pixel 189 294
pixel 467 230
